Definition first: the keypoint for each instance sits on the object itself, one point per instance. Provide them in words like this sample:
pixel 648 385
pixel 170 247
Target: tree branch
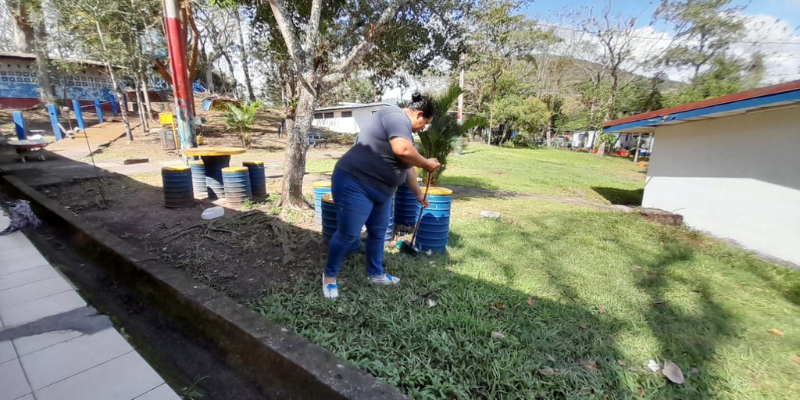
pixel 342 71
pixel 292 40
pixel 312 36
pixel 289 35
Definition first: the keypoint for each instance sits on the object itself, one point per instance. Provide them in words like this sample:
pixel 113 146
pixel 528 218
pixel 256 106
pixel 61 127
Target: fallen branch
pixel 217 240
pixel 181 233
pixel 225 231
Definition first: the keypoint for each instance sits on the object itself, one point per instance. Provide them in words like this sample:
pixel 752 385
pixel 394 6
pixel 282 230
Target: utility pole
pixel 461 96
pixel 184 110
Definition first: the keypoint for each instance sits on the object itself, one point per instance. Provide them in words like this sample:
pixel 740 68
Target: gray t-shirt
pixel 371 158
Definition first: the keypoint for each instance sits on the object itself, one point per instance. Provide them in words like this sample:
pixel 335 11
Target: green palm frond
pixel 440 138
pixel 242 118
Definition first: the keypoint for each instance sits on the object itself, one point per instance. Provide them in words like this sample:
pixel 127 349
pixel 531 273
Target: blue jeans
pixel 358 204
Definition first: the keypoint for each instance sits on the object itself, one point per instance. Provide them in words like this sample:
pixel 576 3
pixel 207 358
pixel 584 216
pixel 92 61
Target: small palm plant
pixel 442 136
pixel 242 118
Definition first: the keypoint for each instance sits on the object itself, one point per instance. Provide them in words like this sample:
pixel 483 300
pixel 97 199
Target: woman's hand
pixel 422 200
pixel 432 165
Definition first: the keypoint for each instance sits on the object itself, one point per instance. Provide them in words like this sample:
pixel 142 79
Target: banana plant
pixel 242 118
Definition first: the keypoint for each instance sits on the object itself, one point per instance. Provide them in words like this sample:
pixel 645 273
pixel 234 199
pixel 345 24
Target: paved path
pixel 55 347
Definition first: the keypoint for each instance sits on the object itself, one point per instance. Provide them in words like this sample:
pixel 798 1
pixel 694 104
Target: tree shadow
pixel 688 335
pixel 621 196
pixel 553 346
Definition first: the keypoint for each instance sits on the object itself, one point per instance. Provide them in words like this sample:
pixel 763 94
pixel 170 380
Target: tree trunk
pixel 547 133
pixel 209 76
pixel 23 27
pixel 146 95
pixel 243 54
pixel 294 164
pixel 122 109
pixel 611 97
pixel 233 74
pixel 140 104
pixel 48 94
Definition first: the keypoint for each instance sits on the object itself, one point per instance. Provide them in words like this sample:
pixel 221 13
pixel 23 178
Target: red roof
pixel 749 94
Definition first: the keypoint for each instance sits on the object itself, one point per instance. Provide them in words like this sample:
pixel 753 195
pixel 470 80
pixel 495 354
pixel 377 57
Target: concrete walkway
pixel 55 347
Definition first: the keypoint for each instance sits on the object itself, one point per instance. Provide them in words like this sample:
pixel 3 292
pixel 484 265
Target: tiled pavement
pixel 38 362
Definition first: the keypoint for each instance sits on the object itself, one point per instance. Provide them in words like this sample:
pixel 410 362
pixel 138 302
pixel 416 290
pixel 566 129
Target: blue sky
pixel 772 23
pixel 788 10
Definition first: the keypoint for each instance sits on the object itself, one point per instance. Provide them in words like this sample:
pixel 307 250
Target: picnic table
pixel 214 160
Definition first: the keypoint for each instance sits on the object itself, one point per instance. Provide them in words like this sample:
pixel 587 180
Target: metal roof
pixel 732 104
pixel 31 56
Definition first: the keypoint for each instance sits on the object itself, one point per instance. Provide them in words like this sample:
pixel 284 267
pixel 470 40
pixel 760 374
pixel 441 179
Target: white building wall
pixel 337 123
pixel 351 125
pixel 736 177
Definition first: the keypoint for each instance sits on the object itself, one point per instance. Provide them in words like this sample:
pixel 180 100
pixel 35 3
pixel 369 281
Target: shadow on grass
pixel 431 336
pixel 621 196
pixel 688 336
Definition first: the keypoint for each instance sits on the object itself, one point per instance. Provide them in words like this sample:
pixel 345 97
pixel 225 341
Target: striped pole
pixel 180 74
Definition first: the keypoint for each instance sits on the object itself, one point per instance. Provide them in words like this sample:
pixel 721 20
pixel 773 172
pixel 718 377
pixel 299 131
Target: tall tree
pixel 243 54
pixel 704 30
pixel 217 38
pixel 614 35
pixel 31 37
pixel 111 33
pixel 326 41
pixel 501 52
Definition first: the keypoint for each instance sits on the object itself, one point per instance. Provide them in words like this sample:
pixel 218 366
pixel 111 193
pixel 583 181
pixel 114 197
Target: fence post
pixel 99 109
pixel 114 109
pixel 19 125
pixel 52 110
pixel 78 114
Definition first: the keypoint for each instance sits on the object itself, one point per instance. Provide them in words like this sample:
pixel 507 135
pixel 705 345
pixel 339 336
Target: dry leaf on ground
pixel 621 363
pixel 695 371
pixel 547 371
pixel 602 310
pixel 585 326
pixel 796 359
pixel 673 372
pixel 636 268
pixel 530 301
pixel 551 359
pixel 498 335
pixel 589 364
pixel 640 391
pixel 498 305
pixel 776 332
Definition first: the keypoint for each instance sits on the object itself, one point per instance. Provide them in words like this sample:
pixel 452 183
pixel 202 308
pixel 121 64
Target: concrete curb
pixel 281 363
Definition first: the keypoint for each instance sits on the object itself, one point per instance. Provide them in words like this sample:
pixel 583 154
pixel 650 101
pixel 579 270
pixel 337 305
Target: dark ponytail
pixel 421 103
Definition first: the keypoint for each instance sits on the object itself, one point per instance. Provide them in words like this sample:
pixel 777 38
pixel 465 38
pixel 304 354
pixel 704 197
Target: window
pixel 328 115
pixel 318 116
pixel 347 114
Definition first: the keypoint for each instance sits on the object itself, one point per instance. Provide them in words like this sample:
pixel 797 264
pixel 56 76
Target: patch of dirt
pixel 661 216
pixel 241 254
pixel 265 143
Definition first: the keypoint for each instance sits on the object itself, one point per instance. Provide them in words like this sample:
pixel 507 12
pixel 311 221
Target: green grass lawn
pixel 551 172
pixel 556 172
pixel 584 299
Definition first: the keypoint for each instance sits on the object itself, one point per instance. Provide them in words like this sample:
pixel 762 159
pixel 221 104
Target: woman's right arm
pixel 404 150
